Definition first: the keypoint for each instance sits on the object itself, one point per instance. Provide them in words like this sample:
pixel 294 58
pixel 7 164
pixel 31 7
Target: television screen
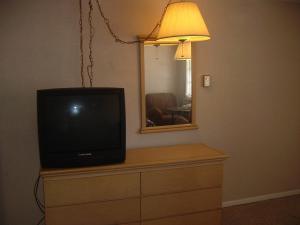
pixel 81 122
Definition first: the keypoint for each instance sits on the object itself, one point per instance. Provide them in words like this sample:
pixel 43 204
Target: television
pixel 81 126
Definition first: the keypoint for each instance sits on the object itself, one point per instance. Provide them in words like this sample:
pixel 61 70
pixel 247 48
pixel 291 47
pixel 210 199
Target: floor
pixel 283 211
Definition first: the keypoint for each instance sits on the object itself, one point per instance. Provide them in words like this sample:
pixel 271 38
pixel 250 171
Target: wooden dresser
pixel 174 185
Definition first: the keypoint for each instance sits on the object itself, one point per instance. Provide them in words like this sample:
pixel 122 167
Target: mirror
pixel 167 89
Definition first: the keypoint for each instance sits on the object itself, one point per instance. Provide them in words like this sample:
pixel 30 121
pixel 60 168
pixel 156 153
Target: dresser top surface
pixel 150 157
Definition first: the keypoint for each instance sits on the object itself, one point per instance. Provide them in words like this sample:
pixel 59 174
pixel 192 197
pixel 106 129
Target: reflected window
pixel 188 74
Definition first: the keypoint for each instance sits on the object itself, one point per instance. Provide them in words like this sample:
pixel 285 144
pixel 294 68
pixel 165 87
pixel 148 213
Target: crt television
pixel 81 126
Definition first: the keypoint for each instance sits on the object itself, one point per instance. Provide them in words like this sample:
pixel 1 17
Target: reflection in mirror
pixel 167 87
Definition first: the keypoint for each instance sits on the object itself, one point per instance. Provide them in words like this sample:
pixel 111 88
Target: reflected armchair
pixel 157 113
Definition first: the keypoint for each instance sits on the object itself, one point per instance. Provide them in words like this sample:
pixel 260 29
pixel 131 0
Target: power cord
pixel 41 220
pixel 37 200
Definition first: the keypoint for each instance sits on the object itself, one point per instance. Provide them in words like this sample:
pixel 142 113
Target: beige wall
pixel 252 111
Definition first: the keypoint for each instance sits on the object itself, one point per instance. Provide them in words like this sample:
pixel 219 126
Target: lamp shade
pixel 183 21
pixel 184 51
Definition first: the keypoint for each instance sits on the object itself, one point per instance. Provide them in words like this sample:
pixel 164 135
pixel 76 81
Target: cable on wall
pixel 81 45
pixel 90 67
pixel 90 72
pixel 113 34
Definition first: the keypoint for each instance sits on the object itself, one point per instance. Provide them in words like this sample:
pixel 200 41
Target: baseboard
pixel 261 198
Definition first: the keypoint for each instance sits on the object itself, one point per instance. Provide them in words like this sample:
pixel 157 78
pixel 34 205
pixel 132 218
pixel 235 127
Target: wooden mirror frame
pixel 144 129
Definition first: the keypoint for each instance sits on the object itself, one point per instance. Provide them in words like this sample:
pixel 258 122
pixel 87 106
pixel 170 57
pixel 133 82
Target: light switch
pixel 206 81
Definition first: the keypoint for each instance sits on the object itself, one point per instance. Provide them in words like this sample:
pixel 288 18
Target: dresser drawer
pixel 181 179
pixel 104 213
pixel 180 203
pixel 204 218
pixel 91 189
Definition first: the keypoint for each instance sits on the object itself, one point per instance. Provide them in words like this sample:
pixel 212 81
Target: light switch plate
pixel 206 81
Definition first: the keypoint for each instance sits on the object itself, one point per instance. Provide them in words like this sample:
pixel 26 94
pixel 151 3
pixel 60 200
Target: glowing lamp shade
pixel 183 21
pixel 184 51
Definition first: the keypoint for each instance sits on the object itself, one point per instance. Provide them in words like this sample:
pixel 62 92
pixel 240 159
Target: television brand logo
pixel 85 154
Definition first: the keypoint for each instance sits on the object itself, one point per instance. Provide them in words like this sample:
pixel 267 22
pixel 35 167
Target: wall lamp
pixel 183 23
